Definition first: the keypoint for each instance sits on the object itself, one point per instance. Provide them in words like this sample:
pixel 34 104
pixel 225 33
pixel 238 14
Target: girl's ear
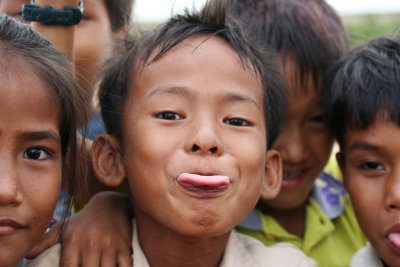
pixel 107 162
pixel 273 175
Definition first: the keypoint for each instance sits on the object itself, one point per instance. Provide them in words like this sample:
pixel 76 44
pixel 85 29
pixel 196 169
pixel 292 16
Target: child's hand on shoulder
pixel 98 235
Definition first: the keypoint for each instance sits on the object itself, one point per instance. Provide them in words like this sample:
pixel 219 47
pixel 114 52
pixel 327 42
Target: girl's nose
pixel 8 184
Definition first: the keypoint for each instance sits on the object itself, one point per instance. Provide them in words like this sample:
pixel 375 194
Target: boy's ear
pixel 273 175
pixel 107 163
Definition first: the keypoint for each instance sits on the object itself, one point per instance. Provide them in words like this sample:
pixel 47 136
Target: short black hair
pixel 308 30
pixel 363 85
pixel 120 76
pixel 120 13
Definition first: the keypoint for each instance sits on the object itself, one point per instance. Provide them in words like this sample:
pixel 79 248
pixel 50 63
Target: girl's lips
pixel 8 227
pixel 203 184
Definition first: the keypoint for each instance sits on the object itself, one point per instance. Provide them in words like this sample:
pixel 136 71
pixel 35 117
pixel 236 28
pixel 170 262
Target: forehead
pixel 203 61
pixel 15 72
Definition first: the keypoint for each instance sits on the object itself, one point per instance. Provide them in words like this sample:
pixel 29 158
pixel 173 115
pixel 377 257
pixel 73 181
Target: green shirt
pixel 332 234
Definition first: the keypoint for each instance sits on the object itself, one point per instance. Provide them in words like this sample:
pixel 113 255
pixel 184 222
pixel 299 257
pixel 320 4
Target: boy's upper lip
pixel 293 172
pixel 393 229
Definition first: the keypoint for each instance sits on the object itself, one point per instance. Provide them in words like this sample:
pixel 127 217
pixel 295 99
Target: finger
pixel 109 259
pixel 70 256
pixel 125 258
pixel 91 258
pixel 49 239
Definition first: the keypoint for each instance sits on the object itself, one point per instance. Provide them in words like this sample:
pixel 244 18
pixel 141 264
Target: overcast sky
pixel 158 10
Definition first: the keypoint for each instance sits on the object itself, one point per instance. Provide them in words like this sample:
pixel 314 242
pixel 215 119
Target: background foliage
pixel 362 28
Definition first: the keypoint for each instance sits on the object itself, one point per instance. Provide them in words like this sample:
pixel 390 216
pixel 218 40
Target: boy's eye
pixel 36 153
pixel 372 165
pixel 317 119
pixel 238 122
pixel 168 115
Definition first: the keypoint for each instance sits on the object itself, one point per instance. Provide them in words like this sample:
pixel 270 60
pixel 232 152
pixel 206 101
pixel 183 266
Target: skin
pixel 371 169
pixel 195 110
pixel 305 145
pixel 30 158
pixel 89 43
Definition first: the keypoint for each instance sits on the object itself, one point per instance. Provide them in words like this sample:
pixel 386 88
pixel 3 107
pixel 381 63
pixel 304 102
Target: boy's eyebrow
pixel 232 97
pixel 229 97
pixel 174 90
pixel 360 145
pixel 41 135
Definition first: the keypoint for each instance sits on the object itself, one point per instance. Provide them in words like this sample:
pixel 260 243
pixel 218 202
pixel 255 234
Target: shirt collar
pixel 328 192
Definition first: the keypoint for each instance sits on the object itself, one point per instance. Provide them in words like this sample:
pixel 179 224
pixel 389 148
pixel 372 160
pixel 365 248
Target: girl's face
pixel 30 160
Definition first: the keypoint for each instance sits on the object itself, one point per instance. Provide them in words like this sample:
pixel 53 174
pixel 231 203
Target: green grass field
pixel 366 27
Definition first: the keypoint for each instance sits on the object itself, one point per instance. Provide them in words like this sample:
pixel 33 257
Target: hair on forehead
pixel 211 21
pixel 363 87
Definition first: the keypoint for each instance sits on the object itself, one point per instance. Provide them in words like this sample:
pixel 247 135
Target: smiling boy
pixel 189 110
pixel 362 103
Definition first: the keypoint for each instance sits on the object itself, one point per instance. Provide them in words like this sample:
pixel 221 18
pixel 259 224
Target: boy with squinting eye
pixel 362 104
pixel 190 110
pixel 312 210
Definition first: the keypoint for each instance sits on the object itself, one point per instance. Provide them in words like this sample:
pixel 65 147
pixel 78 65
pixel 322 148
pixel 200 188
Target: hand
pixel 98 235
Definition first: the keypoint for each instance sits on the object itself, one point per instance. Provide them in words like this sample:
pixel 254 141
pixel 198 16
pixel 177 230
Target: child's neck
pixel 293 220
pixel 166 248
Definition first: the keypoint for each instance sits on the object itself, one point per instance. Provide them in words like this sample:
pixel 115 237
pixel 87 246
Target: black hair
pixel 308 30
pixel 120 13
pixel 19 42
pixel 363 85
pixel 120 76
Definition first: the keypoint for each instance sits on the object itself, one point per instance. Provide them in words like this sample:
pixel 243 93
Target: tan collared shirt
pixel 240 251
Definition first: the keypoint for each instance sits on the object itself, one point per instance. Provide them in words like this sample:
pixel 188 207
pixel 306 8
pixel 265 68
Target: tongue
pixel 395 239
pixel 203 180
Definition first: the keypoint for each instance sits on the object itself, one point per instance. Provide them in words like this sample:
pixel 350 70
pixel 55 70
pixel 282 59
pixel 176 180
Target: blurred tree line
pixel 362 28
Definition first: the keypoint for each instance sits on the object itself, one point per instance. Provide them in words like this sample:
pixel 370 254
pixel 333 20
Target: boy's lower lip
pixel 203 184
pixel 293 180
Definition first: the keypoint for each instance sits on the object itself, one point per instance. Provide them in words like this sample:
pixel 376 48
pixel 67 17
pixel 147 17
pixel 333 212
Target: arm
pixel 61 36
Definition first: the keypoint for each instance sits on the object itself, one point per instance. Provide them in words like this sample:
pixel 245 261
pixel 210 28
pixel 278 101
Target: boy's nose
pixel 291 145
pixel 8 185
pixel 204 140
pixel 392 190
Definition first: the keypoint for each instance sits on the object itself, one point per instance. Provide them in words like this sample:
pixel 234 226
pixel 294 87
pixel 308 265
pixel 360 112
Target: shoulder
pixel 281 254
pixel 366 257
pixel 49 258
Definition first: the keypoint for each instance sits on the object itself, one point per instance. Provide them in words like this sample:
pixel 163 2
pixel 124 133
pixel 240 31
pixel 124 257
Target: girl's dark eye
pixel 372 165
pixel 168 115
pixel 36 154
pixel 238 122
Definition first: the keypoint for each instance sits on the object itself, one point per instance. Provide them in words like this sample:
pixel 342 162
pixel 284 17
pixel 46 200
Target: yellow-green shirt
pixel 332 234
